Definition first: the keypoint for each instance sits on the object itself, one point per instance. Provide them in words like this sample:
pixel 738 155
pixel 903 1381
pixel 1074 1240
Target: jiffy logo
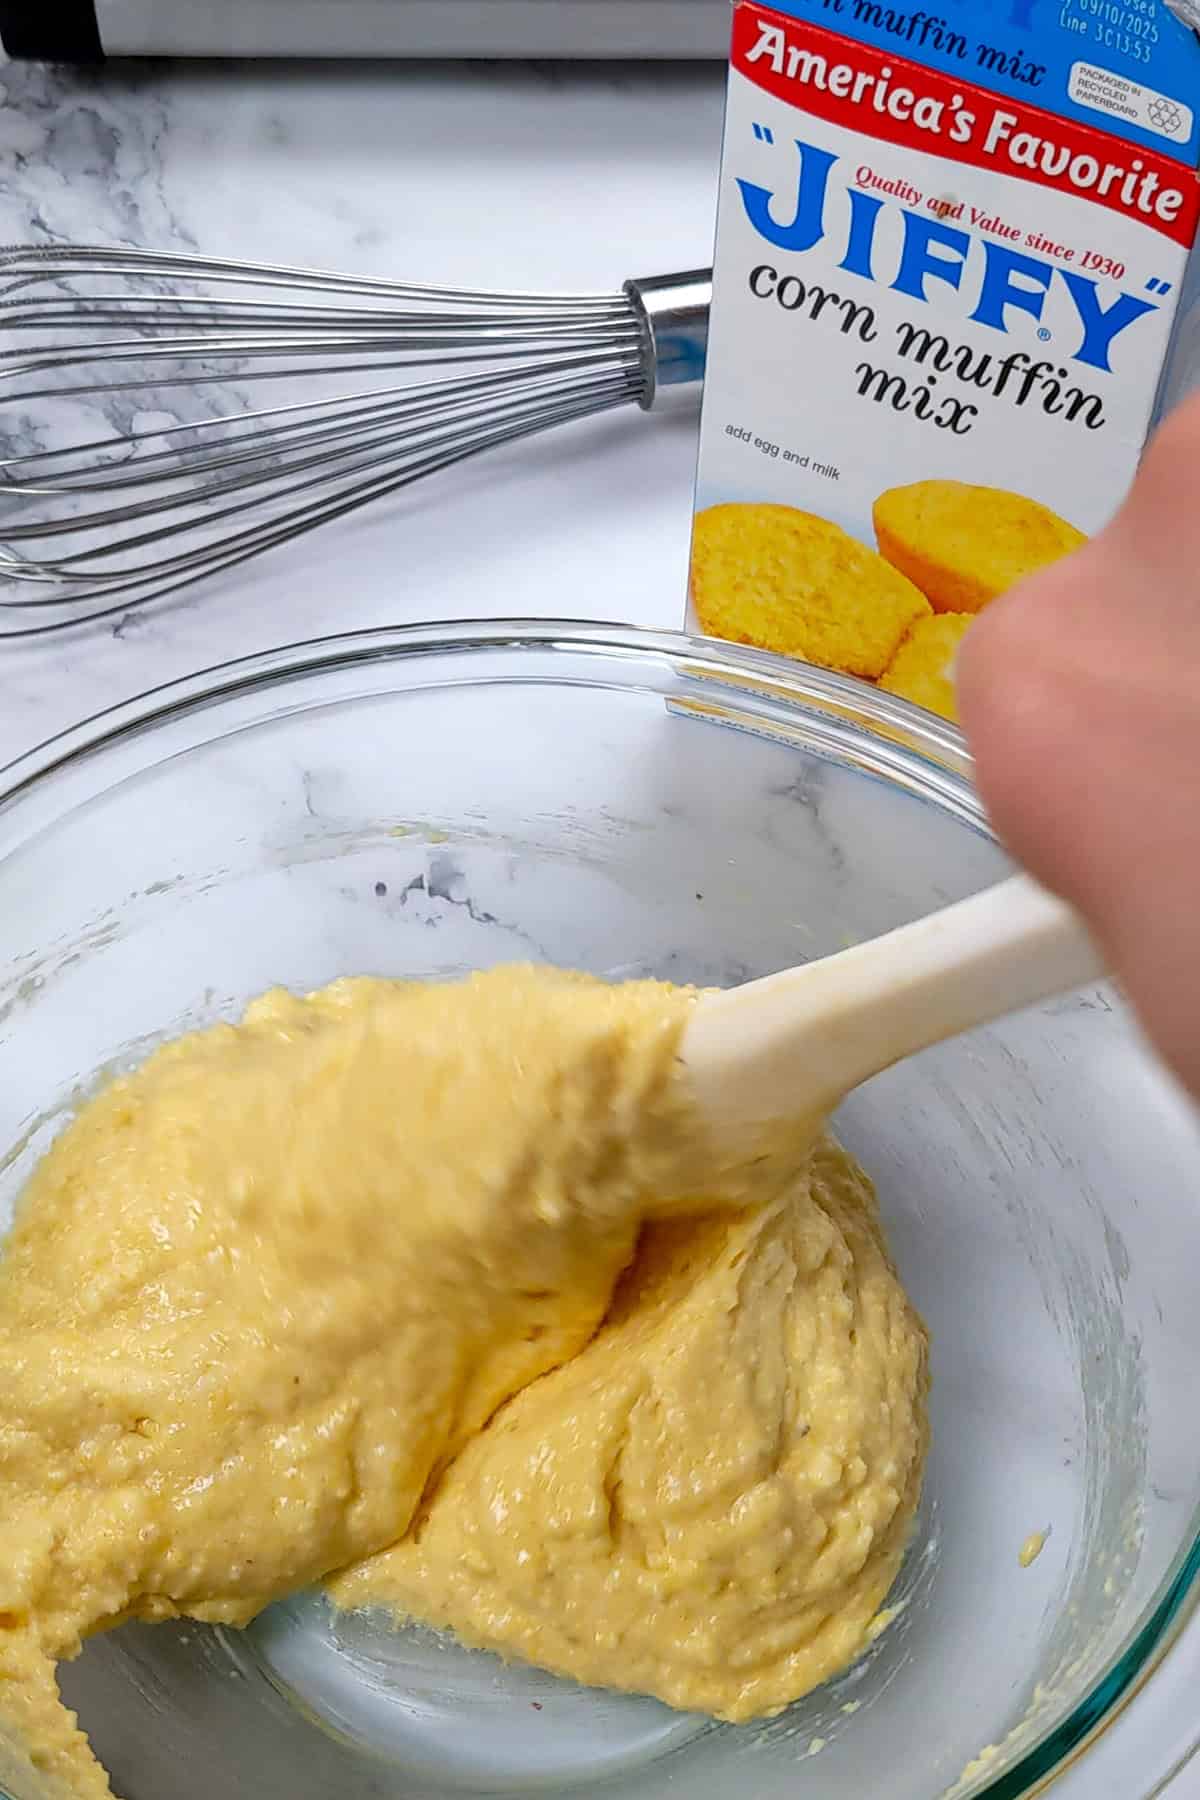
pixel 997 280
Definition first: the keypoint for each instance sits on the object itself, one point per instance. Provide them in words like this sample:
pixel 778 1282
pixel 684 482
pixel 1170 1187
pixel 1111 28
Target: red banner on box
pixel 901 102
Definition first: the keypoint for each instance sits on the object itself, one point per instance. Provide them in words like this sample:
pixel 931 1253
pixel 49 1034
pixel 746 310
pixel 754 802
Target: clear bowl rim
pixel 900 736
pixel 860 705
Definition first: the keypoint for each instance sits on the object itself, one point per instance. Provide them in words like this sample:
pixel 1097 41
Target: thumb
pixel 1080 696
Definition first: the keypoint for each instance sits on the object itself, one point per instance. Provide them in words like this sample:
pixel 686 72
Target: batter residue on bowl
pixel 376 1286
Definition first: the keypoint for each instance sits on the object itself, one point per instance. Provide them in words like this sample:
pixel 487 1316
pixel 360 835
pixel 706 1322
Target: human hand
pixel 1080 695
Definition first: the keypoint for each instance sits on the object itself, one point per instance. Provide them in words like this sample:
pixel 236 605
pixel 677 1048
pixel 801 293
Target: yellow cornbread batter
pixel 266 1299
pixel 710 1502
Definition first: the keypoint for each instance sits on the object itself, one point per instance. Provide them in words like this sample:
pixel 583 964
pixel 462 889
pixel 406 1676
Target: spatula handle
pixel 820 1030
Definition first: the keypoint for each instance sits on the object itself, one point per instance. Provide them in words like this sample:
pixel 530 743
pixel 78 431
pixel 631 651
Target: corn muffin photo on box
pixel 949 259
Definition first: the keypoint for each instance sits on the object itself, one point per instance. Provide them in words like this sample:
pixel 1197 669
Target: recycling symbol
pixel 1164 115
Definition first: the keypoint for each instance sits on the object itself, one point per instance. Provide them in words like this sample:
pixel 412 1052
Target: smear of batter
pixel 361 1273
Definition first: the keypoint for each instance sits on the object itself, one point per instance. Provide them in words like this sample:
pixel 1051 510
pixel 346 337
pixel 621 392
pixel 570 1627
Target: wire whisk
pixel 164 417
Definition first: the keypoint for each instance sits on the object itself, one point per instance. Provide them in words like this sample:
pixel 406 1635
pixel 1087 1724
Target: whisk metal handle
pixel 673 313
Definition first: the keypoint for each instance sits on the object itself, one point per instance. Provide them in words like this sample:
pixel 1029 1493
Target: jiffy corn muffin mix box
pixel 949 255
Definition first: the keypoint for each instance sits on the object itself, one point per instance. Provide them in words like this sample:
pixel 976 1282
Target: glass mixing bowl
pixel 420 802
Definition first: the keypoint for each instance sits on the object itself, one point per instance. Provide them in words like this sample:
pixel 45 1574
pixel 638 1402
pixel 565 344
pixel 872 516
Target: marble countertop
pixel 501 175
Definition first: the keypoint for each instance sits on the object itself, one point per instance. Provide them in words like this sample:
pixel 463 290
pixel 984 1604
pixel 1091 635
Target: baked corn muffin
pixel 964 545
pixel 922 669
pixel 781 579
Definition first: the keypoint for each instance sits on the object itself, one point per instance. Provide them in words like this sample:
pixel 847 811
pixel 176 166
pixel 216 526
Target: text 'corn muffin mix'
pixel 949 260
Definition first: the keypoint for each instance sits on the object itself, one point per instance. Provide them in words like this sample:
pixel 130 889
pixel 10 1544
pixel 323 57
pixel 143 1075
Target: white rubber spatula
pixel 789 1047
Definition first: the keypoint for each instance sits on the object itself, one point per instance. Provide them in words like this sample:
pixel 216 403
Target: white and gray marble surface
pixel 505 175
